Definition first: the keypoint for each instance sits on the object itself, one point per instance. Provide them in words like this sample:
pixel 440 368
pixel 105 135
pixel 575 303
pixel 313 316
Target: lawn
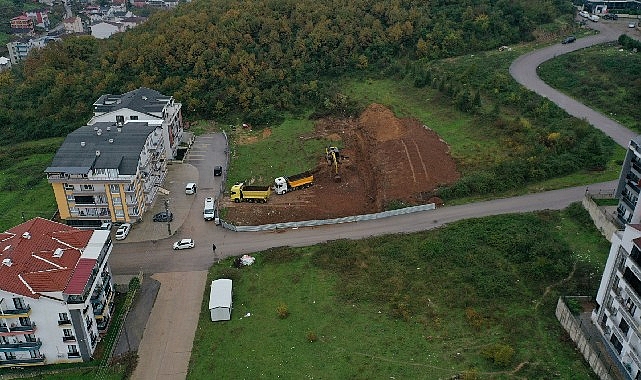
pixel 24 190
pixel 468 298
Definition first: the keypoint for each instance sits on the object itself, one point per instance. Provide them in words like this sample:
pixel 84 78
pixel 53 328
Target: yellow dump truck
pixel 294 182
pixel 242 193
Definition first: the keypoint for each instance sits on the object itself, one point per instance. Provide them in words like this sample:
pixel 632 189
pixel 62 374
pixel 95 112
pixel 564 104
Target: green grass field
pixel 425 305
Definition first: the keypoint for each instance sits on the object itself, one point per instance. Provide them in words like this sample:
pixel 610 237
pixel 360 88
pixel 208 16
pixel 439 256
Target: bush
pixel 499 354
pixel 574 305
pixel 283 311
pixel 311 336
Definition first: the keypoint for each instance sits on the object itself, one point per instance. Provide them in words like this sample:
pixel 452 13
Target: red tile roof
pixel 31 248
pixel 80 276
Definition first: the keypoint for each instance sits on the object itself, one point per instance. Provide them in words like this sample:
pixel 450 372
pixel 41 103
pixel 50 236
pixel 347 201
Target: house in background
pixel 5 63
pixel 73 25
pixel 56 293
pixel 144 105
pixel 105 29
pixel 21 24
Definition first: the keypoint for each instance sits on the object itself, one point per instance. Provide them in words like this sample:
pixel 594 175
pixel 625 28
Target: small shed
pixel 220 303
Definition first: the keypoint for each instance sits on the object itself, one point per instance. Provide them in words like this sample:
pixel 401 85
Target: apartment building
pixel 143 105
pixel 629 186
pixel 108 171
pixel 56 293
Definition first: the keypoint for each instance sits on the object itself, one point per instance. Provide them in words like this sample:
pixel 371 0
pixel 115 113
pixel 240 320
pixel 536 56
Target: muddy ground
pixel 389 160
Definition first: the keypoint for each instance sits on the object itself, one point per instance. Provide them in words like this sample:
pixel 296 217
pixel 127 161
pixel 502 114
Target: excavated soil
pixel 387 160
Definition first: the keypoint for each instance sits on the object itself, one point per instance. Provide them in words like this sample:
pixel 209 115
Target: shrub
pixel 499 354
pixel 574 305
pixel 283 311
pixel 311 336
pixel 474 318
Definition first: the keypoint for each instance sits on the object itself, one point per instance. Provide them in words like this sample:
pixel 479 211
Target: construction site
pixel 383 161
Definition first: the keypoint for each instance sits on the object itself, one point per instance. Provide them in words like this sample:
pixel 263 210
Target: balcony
pixel 632 186
pixel 72 355
pixel 64 322
pixel 12 362
pixel 28 329
pixel 20 346
pixel 25 311
pixel 69 338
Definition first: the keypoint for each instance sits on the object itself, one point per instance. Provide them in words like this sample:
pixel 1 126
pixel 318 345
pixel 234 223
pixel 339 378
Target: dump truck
pixel 242 193
pixel 293 182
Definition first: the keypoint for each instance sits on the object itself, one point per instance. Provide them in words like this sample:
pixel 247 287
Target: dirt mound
pixel 387 160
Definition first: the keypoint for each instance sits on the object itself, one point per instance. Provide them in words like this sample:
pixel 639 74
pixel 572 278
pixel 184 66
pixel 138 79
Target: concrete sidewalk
pixel 168 337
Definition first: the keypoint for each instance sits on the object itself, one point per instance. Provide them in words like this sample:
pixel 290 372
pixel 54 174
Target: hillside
pixel 253 60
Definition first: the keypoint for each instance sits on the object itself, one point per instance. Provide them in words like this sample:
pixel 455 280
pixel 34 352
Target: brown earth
pixel 387 160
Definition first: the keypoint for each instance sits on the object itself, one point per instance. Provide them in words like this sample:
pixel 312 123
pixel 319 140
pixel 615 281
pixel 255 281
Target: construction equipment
pixel 242 193
pixel 293 182
pixel 333 156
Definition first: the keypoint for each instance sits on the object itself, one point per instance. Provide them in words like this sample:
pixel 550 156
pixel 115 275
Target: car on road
pixel 123 231
pixel 190 188
pixel 631 25
pixel 184 244
pixel 163 216
pixel 218 171
pixel 584 14
pixel 568 40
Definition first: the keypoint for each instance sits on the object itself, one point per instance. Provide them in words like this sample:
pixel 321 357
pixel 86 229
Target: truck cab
pixel 280 185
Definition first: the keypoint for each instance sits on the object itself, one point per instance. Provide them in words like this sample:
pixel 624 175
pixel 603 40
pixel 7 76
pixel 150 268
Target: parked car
pixel 218 171
pixel 631 25
pixel 164 217
pixel 610 16
pixel 584 14
pixel 568 40
pixel 123 231
pixel 594 18
pixel 184 244
pixel 106 226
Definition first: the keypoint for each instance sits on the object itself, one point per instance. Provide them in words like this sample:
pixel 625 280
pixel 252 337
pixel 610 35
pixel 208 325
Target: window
pixel 86 187
pixel 134 117
pixel 120 119
pixel 72 349
pixel 63 316
pixel 114 189
pixel 116 200
pixel 29 337
pixel 9 355
pixel 68 186
pixel 70 198
pixel 120 214
pixel 35 354
pixel 623 325
pixel 617 345
pixel 25 321
pixel 18 302
pixel 67 332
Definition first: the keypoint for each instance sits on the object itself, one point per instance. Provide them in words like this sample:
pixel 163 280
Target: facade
pixel 18 50
pixel 107 172
pixel 629 186
pixel 105 29
pixel 56 293
pixel 144 105
pixel 21 24
pixel 618 315
pixel 73 25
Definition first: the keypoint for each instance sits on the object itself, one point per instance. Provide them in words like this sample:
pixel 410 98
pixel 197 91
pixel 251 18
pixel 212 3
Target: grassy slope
pixel 409 306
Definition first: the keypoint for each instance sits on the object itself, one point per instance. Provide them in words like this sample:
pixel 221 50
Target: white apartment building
pixel 56 293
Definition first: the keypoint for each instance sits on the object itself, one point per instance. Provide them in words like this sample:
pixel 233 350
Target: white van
pixel 190 188
pixel 594 18
pixel 209 212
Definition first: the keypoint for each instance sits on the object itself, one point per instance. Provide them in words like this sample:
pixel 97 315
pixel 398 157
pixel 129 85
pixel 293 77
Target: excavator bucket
pixel 337 178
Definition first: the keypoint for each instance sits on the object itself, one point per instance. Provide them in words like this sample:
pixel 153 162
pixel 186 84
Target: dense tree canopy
pixel 255 59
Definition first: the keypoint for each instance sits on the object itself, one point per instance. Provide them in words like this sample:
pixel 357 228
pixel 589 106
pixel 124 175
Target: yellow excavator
pixel 333 156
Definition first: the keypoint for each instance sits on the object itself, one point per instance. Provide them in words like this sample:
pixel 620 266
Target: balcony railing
pixel 16 312
pixel 73 354
pixel 64 322
pixel 6 362
pixel 20 346
pixel 18 329
pixel 68 338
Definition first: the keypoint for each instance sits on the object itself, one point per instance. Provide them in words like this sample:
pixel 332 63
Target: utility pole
pixel 167 213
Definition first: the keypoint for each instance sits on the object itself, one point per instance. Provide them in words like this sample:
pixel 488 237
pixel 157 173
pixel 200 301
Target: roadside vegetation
pixel 475 298
pixel 605 77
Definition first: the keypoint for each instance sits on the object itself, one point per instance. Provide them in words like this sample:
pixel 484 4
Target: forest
pixel 258 61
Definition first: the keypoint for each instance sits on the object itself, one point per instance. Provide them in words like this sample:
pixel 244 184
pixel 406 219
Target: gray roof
pixel 117 150
pixel 142 100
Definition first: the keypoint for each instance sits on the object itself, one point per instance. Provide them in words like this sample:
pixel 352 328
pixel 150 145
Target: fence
pixel 603 365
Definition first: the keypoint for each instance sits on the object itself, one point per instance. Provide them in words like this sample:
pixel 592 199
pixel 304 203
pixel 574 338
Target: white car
pixel 123 231
pixel 631 25
pixel 594 18
pixel 184 244
pixel 584 14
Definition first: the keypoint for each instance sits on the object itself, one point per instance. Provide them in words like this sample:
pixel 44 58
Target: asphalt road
pixel 523 69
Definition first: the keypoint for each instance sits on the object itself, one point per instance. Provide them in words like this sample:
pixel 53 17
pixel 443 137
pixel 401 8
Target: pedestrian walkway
pixel 169 335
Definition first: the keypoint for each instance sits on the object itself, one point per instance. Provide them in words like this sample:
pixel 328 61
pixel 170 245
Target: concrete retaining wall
pixel 571 325
pixel 601 219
